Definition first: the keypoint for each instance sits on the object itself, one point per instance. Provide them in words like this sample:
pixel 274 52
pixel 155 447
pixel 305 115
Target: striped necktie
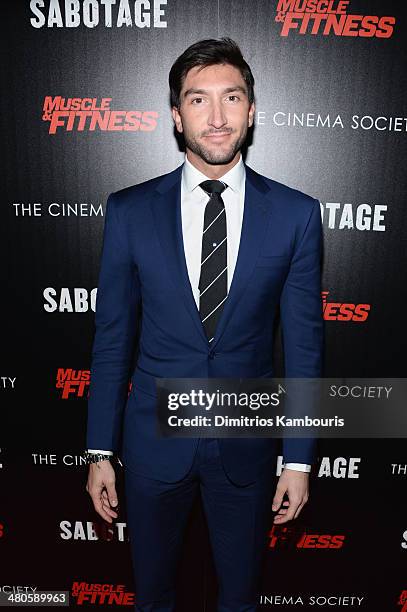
pixel 213 276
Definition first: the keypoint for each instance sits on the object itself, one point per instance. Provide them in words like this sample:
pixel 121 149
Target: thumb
pixel 111 493
pixel 277 500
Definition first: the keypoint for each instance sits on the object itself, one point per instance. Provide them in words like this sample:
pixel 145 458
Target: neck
pixel 212 171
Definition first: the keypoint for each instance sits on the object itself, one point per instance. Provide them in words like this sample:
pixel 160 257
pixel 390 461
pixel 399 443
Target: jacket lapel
pixel 166 207
pixel 254 226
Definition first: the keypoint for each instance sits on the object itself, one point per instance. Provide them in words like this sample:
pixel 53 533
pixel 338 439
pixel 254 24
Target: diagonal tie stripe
pixel 213 273
pixel 214 280
pixel 214 309
pixel 218 245
pixel 217 217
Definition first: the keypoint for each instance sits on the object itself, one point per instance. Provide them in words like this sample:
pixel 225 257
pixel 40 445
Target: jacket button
pixel 212 354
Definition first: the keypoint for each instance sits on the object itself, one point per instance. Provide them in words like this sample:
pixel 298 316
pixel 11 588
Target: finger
pixel 302 504
pixel 106 503
pixel 278 498
pixel 281 512
pixel 280 515
pixel 97 503
pixel 106 499
pixel 278 520
pixel 111 493
pixel 292 510
pixel 284 506
pixel 300 507
pixel 281 518
pixel 106 507
pixel 96 492
pixel 289 513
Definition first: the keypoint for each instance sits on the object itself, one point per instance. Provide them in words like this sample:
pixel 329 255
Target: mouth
pixel 218 135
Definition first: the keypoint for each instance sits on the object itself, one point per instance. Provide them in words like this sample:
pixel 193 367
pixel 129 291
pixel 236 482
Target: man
pixel 202 257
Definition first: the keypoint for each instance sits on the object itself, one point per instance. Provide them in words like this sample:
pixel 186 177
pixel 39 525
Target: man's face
pixel 214 113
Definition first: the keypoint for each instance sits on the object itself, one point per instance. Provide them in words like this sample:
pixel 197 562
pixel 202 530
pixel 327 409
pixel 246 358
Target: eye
pixel 233 98
pixel 196 100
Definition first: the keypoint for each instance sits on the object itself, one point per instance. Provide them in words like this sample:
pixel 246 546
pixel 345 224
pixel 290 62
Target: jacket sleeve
pixel 118 303
pixel 302 325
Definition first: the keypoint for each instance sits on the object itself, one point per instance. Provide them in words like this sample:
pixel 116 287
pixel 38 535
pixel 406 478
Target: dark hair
pixel 207 53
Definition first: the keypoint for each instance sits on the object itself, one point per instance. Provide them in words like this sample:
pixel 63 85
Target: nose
pixel 217 117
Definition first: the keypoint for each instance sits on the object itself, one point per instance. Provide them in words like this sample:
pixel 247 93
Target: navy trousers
pixel 237 518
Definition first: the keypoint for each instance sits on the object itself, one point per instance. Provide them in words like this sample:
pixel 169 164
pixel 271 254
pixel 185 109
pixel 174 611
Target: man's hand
pixel 295 483
pixel 101 488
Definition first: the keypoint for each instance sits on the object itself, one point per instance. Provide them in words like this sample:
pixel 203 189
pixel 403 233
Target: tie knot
pixel 211 187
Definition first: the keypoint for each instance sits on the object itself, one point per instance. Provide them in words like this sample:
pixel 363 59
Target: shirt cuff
pixel 99 452
pixel 300 467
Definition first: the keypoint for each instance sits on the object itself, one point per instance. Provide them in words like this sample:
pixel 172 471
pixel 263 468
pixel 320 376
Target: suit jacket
pixel 145 303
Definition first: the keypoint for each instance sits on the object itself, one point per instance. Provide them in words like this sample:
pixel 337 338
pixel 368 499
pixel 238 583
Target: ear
pixel 252 110
pixel 177 119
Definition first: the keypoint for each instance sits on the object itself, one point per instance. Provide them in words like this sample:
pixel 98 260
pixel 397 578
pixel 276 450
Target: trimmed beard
pixel 213 158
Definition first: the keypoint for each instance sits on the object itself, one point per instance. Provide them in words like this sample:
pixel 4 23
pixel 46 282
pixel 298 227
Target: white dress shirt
pixel 193 202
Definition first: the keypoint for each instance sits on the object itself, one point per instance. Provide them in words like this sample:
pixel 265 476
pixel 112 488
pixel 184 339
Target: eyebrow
pixel 192 91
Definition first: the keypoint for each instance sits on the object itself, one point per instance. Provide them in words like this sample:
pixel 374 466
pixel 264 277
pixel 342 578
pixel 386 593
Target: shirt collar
pixel 234 178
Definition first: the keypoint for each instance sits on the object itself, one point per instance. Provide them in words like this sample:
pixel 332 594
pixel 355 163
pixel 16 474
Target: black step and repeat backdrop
pixel 85 111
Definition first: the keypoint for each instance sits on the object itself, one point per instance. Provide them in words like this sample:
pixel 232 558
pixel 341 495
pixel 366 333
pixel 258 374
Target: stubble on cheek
pixel 217 153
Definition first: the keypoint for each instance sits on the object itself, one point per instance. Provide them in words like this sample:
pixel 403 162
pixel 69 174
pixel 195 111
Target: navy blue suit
pixel 144 281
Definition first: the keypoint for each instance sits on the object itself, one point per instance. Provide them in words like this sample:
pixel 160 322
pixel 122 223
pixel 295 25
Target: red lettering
pixel 99 119
pixel 346 312
pixel 334 23
pixel 368 28
pixel 105 103
pixel 75 104
pixel 128 599
pixel 132 121
pixel 337 541
pixel 149 121
pixel 289 23
pixel 385 27
pixel 57 121
pixel 83 115
pixel 330 311
pixel 324 541
pixel 351 23
pixel 304 23
pixel 342 7
pixel 318 18
pixel 285 6
pixel 361 312
pixel 116 121
pixel 310 541
pixel 83 596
